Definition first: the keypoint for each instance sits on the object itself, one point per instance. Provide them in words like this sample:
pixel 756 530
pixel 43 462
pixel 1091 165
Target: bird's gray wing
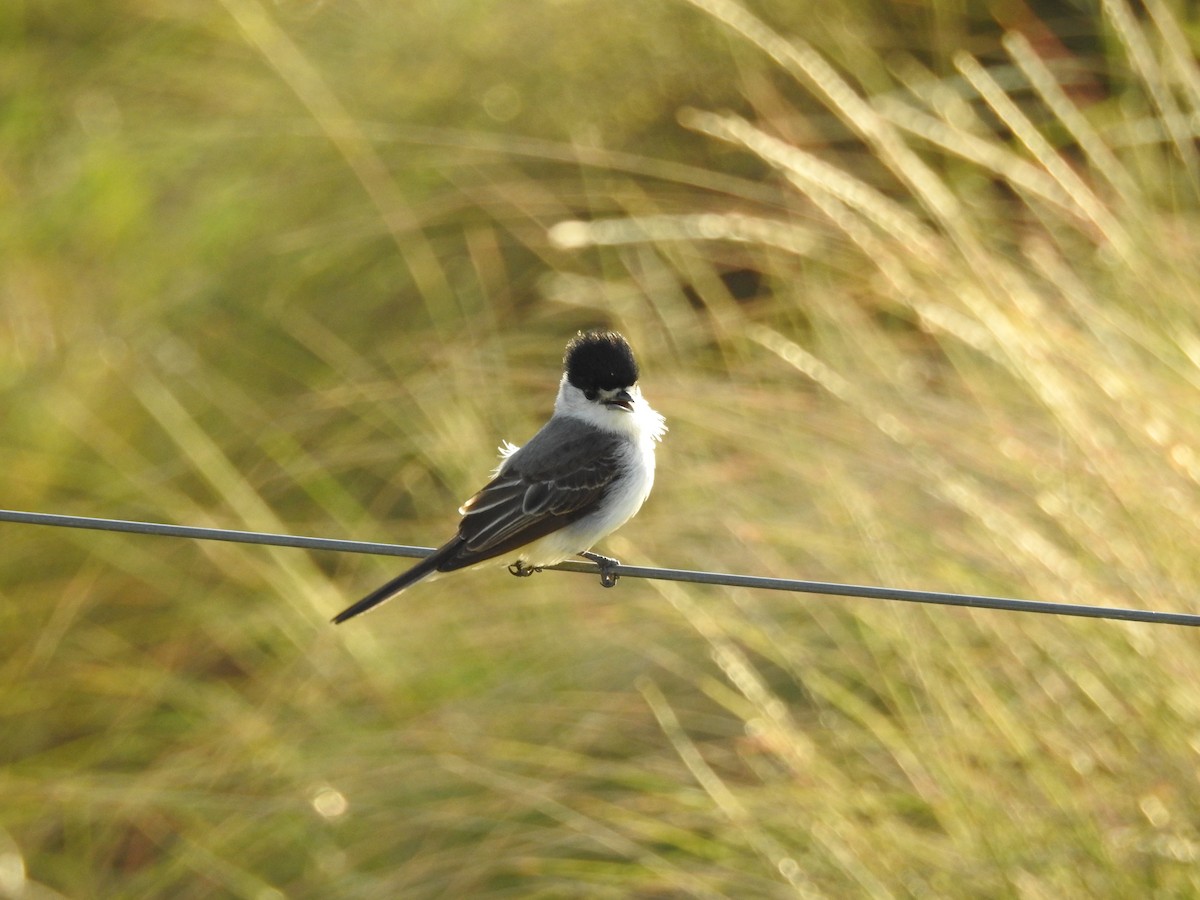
pixel 560 475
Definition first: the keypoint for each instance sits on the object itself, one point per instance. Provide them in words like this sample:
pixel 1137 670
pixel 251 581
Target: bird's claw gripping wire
pixel 608 578
pixel 521 570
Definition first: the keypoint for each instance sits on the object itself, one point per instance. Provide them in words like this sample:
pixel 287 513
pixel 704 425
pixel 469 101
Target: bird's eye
pixel 591 393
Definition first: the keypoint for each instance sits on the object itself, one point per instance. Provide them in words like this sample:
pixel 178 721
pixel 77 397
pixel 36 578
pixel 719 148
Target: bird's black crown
pixel 600 360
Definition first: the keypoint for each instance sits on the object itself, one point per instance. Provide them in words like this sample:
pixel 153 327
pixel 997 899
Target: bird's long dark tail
pixel 427 566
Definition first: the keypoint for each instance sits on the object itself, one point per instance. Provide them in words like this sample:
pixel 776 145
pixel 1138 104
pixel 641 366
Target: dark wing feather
pixel 560 475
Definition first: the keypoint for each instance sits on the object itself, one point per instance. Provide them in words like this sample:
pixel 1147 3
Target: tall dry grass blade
pixel 305 580
pixel 1148 69
pixel 541 796
pixel 794 748
pixel 1182 57
pixel 802 61
pixel 809 173
pixel 1088 204
pixel 1052 94
pixel 308 84
pixel 1020 173
pixel 725 799
pixel 733 227
pixel 310 87
pixel 1022 540
pixel 893 258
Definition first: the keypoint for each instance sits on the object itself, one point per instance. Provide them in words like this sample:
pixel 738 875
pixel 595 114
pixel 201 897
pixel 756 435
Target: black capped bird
pixel 585 473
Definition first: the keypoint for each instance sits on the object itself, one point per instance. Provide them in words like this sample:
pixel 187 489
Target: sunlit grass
pixel 970 365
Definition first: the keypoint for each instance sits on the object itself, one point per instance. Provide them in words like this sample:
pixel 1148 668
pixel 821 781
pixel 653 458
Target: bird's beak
pixel 621 399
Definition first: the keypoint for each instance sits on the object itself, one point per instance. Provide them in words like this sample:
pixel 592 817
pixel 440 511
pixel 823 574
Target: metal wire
pixel 757 582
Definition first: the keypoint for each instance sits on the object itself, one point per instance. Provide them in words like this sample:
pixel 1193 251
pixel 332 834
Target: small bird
pixel 585 473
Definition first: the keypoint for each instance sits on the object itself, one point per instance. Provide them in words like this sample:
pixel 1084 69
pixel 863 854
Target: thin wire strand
pixel 757 582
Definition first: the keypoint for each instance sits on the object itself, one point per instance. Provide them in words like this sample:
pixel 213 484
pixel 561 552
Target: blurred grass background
pixel 917 288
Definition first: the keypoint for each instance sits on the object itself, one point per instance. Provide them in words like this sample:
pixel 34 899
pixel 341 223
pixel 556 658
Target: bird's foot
pixel 608 577
pixel 521 570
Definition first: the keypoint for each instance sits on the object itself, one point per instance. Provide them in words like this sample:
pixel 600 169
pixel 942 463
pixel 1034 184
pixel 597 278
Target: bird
pixel 583 475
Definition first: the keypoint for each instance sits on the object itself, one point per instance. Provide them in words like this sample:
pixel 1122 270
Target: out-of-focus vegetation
pixel 917 288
